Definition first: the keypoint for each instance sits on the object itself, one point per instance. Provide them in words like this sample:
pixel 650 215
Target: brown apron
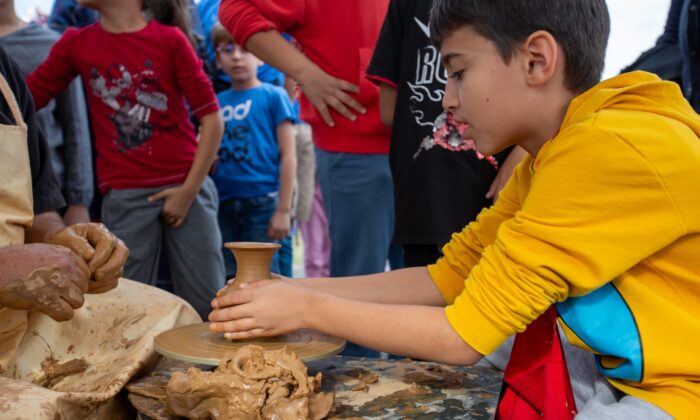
pixel 112 333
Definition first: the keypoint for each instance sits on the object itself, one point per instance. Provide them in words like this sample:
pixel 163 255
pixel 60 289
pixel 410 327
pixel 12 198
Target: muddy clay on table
pixel 252 383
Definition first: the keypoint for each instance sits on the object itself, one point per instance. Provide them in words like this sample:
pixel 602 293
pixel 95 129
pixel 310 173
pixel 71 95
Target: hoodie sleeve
pixel 244 18
pixel 586 220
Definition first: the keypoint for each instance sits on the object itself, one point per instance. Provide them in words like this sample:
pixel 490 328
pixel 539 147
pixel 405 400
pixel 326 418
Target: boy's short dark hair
pixel 581 27
pixel 220 35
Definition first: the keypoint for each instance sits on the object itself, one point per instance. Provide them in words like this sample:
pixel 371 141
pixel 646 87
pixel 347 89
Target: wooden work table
pixel 405 389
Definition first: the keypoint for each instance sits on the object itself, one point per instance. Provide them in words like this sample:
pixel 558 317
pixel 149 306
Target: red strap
pixel 536 382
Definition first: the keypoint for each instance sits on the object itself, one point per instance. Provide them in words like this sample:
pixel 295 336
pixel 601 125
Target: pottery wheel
pixel 196 344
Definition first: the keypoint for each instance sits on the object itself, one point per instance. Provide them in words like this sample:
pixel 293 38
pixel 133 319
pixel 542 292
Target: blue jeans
pixel 285 254
pixel 247 219
pixel 358 196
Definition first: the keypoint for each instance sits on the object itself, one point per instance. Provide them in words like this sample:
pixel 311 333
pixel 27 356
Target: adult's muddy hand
pixel 46 278
pixel 104 253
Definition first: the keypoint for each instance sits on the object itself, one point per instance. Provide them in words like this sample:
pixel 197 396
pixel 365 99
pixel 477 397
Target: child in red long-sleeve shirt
pixel 150 165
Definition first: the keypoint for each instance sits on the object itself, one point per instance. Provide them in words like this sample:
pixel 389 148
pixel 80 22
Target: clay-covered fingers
pixel 108 274
pixel 103 241
pixel 60 310
pixel 74 238
pixel 61 297
pixel 73 268
pixel 44 278
pixel 67 280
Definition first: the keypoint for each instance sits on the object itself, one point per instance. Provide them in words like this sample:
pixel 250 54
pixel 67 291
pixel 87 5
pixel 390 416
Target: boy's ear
pixel 542 57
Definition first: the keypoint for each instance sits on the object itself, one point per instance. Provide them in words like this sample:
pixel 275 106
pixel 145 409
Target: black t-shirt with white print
pixel 437 190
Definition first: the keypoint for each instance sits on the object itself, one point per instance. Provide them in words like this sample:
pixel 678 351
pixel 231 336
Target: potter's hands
pixel 176 204
pixel 262 309
pixel 324 90
pixel 279 225
pixel 104 253
pixel 46 278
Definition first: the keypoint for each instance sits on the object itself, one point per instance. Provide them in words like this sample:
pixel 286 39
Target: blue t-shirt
pixel 249 158
pixel 209 15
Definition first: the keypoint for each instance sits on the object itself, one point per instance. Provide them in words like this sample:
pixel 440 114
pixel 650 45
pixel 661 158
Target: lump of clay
pixel 252 383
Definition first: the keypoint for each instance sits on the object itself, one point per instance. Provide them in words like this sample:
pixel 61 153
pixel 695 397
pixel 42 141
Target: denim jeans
pixel 247 219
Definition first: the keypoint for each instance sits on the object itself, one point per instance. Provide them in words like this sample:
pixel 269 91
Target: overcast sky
pixel 635 26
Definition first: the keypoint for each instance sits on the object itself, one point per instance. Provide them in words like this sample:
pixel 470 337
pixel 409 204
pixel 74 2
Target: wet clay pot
pixel 252 262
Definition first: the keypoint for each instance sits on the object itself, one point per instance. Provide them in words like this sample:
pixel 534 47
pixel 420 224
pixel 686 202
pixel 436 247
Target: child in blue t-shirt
pixel 257 162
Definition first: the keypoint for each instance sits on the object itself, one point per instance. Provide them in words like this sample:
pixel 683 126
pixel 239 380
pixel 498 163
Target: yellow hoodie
pixel 605 223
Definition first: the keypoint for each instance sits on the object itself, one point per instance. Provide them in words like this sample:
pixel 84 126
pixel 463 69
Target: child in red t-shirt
pixel 150 165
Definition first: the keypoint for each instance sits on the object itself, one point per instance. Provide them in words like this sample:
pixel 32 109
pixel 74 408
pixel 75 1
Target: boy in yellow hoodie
pixel 601 221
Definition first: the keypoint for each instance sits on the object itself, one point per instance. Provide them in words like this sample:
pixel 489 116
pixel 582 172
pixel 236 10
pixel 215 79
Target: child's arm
pixel 387 103
pixel 385 67
pixel 71 113
pixel 407 286
pixel 56 72
pixel 197 88
pixel 260 34
pixel 177 200
pixel 281 220
pixel 275 308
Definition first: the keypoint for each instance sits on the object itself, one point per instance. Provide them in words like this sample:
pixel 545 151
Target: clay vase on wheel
pixel 252 262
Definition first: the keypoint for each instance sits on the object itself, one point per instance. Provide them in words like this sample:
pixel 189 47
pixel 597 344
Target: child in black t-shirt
pixel 440 181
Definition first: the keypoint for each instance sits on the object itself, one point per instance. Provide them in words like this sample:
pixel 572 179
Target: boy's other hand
pixel 279 225
pixel 324 90
pixel 176 204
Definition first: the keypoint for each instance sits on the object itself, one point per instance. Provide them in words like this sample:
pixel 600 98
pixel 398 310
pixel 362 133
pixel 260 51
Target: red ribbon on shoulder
pixel 536 381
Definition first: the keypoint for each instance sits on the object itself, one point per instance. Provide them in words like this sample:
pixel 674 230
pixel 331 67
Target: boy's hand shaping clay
pixel 96 245
pixel 46 278
pixel 261 309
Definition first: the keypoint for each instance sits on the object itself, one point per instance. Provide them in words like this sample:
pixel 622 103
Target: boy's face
pixel 240 65
pixel 485 92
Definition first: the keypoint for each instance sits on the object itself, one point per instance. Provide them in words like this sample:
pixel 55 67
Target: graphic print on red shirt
pixel 136 84
pixel 132 97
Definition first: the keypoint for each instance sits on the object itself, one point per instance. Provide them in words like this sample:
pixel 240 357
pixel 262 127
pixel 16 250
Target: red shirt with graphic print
pixel 136 85
pixel 339 36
